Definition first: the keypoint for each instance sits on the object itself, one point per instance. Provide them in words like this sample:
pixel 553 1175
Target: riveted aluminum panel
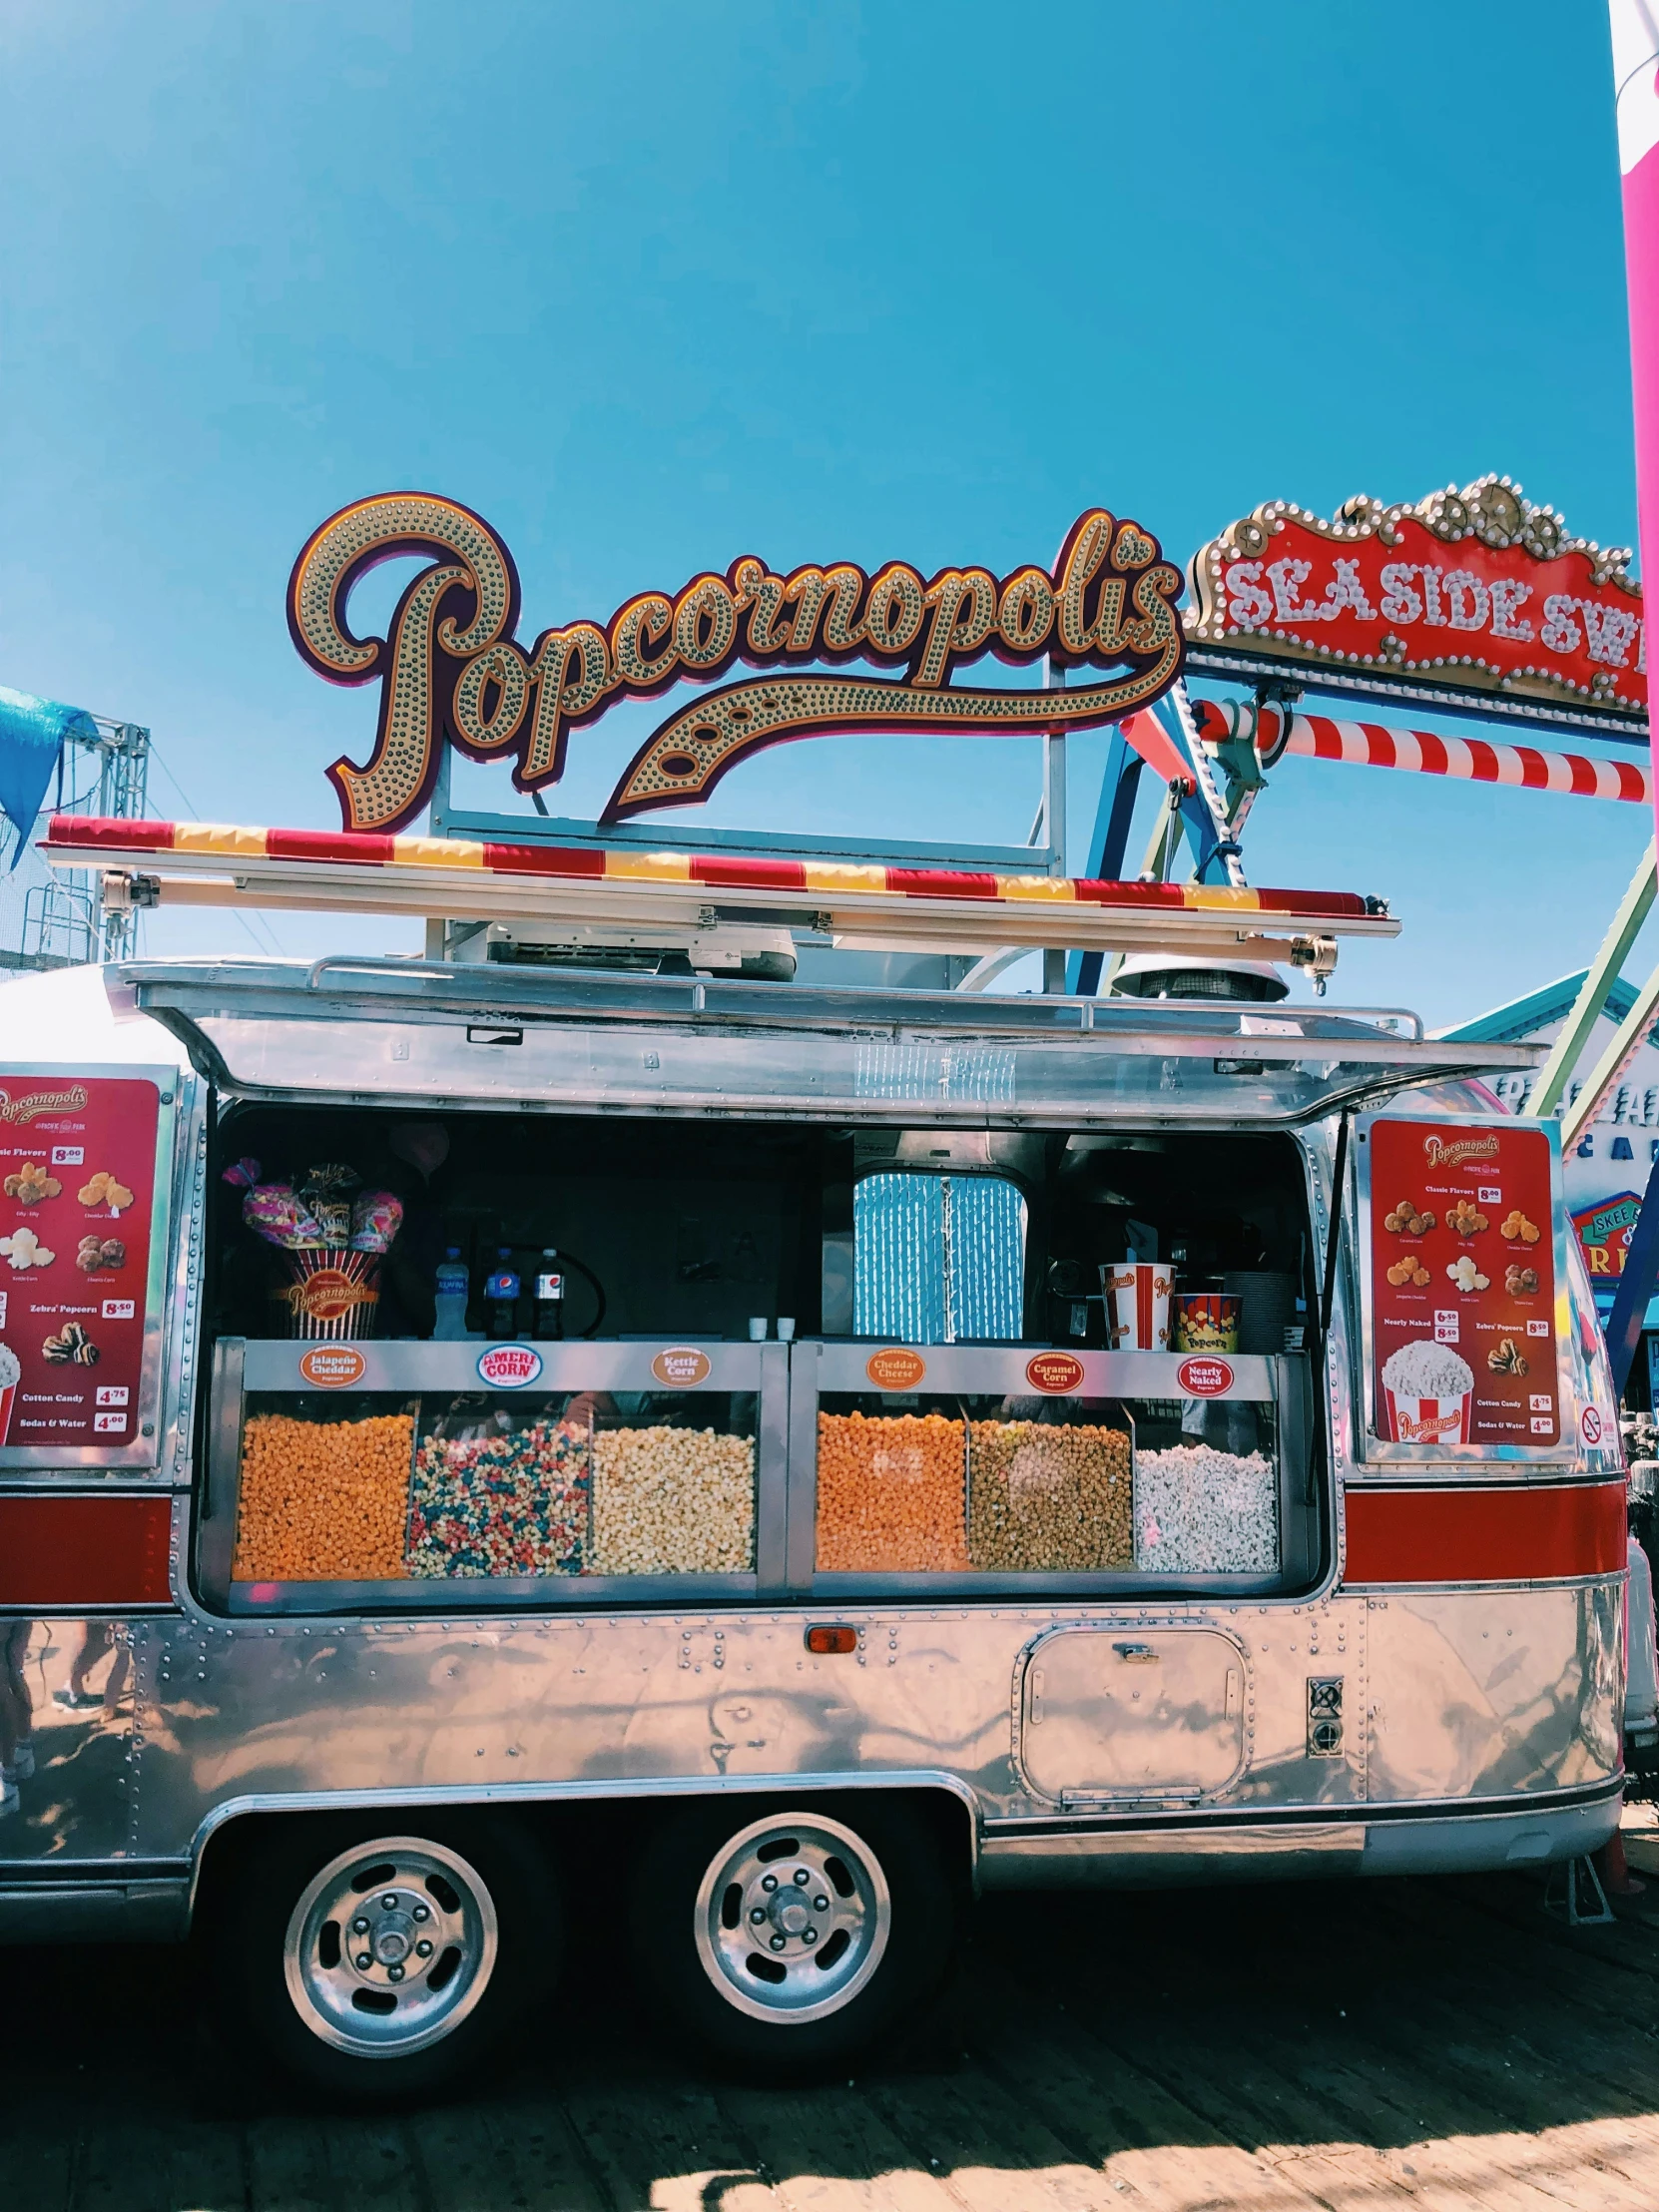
pixel 1133 1713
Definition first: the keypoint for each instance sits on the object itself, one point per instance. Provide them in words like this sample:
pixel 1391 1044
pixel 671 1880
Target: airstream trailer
pixel 879 1446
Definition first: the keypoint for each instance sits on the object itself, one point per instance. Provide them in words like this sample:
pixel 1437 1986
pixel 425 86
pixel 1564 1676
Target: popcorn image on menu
pixel 1427 1388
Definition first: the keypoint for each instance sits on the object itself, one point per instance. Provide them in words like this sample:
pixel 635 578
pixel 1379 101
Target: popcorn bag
pixel 1428 1390
pixel 334 1292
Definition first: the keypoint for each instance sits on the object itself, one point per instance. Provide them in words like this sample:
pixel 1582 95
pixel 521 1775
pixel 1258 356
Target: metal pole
pixel 1607 1070
pixel 1054 825
pixel 1599 979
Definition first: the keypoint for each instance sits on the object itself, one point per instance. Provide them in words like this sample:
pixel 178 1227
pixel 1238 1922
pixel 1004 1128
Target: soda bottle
pixel 452 1288
pixel 501 1287
pixel 550 1297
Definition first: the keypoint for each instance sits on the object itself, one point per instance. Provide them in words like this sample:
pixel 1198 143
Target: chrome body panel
pixel 1478 1692
pixel 1478 1726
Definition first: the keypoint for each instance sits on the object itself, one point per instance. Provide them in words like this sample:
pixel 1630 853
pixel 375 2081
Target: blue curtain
pixel 32 733
pixel 937 1256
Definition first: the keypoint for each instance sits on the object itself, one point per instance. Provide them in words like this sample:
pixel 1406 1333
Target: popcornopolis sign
pixel 453 671
pixel 1474 598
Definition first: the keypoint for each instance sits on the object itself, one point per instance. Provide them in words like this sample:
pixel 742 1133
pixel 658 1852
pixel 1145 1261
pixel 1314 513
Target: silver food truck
pixel 750 1464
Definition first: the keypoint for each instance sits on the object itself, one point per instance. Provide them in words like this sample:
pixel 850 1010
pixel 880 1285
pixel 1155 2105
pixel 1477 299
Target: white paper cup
pixel 1137 1299
pixel 786 1330
pixel 758 1330
pixel 1428 1420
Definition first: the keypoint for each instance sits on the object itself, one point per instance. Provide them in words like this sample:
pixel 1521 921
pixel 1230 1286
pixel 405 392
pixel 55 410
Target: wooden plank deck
pixel 1435 2047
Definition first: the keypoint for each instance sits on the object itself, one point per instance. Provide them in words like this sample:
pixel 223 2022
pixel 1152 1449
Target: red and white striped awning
pixel 224 865
pixel 1472 760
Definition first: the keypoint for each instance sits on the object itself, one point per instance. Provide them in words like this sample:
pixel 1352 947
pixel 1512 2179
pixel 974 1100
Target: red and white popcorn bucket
pixel 1137 1301
pixel 10 1369
pixel 1428 1420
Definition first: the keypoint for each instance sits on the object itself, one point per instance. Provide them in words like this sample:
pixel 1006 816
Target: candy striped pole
pixel 1472 760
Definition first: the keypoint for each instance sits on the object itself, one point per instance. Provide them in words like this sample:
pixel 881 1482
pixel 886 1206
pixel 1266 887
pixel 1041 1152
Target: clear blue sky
pixel 651 286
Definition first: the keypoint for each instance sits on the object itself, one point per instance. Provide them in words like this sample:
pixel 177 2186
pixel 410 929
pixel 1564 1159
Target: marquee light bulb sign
pixel 455 671
pixel 1474 596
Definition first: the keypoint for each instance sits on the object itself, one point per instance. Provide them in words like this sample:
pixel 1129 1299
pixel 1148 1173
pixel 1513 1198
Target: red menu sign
pixel 1462 1283
pixel 77 1193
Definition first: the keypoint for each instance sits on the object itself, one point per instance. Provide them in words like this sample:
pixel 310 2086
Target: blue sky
pixel 649 288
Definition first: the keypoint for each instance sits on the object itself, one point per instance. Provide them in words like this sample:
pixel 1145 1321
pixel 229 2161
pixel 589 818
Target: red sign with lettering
pixel 1478 590
pixel 1204 1377
pixel 1054 1372
pixel 77 1192
pixel 1462 1283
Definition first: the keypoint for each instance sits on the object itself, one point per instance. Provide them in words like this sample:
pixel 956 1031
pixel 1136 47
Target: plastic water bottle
pixel 452 1286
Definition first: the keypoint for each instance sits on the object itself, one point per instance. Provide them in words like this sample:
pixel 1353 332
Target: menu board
pixel 77 1202
pixel 1462 1284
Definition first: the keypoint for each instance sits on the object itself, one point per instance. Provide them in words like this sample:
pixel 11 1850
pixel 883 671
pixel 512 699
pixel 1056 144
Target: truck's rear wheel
pixel 382 1964
pixel 788 1941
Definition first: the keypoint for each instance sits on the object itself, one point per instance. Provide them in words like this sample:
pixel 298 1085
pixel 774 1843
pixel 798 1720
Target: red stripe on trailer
pixel 1380 749
pixel 940 882
pixel 753 874
pixel 1483 1535
pixel 97 1552
pixel 1535 768
pixel 96 829
pixel 1432 750
pixel 1632 782
pixel 545 860
pixel 367 847
pixel 1483 762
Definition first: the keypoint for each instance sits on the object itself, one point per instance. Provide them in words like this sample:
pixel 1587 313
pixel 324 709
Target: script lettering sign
pixel 452 670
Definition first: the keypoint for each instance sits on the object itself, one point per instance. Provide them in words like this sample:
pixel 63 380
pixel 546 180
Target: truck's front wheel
pixel 382 1965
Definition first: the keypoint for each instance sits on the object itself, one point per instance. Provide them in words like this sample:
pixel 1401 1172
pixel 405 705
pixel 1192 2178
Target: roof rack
pixel 863 907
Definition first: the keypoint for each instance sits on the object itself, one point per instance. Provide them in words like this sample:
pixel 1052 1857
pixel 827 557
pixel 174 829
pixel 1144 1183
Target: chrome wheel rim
pixel 792 1918
pixel 389 1947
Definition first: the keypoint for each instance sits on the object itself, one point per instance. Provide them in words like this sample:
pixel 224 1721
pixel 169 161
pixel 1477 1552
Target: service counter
pixel 418 1476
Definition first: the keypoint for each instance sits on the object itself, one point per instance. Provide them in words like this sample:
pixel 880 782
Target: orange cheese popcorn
pixel 323 1502
pixel 892 1495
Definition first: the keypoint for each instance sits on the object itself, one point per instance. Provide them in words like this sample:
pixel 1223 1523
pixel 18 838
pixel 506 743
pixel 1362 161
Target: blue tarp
pixel 32 733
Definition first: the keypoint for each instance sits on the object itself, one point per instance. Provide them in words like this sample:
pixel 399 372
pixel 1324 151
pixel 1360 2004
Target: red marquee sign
pixel 452 670
pixel 1470 592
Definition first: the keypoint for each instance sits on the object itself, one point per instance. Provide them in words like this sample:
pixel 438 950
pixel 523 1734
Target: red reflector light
pixel 832 1639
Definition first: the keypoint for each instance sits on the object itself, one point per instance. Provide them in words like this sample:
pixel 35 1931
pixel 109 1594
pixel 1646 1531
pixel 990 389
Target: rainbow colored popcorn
pixel 509 1504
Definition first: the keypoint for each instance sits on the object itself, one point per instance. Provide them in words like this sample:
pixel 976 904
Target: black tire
pixel 725 2006
pixel 286 1982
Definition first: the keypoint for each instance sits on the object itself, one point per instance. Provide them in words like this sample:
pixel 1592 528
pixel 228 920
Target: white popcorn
pixel 9 1366
pixel 1203 1512
pixel 1425 1369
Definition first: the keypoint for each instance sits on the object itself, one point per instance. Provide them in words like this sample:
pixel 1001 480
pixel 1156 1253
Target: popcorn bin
pixel 332 1291
pixel 10 1369
pixel 1428 1390
pixel 1136 1296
